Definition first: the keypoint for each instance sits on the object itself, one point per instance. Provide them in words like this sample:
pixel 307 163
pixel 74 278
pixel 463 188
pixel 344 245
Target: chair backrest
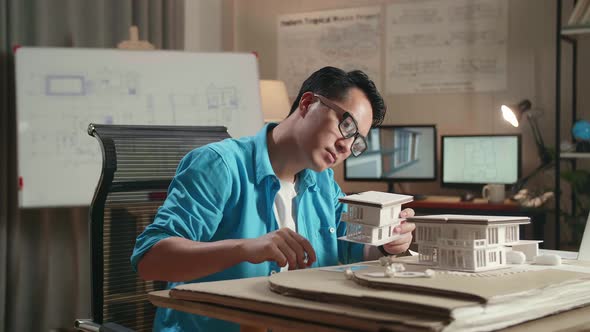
pixel 138 164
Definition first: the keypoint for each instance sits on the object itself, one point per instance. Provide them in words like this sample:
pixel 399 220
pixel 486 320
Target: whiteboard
pixel 61 90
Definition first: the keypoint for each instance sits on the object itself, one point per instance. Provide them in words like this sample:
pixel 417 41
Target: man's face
pixel 321 137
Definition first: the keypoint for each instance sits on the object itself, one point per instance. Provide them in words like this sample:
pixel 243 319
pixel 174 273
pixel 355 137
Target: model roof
pixel 376 199
pixel 470 219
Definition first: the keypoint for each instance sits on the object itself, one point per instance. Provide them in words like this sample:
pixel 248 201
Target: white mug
pixel 494 193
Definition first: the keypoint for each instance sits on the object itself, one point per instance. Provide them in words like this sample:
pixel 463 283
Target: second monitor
pixel 396 153
pixel 471 161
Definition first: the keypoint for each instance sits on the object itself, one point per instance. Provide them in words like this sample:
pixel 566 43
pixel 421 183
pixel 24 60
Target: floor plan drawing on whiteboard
pixel 62 90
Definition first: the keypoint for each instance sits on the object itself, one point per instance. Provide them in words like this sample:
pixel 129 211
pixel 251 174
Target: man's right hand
pixel 282 246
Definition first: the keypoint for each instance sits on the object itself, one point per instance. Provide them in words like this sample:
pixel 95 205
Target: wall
pixel 202 23
pixel 530 74
pixel 209 25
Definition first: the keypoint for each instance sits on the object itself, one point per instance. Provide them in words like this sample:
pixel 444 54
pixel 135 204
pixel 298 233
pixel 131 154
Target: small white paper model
pixel 372 216
pixel 530 248
pixel 547 259
pixel 466 242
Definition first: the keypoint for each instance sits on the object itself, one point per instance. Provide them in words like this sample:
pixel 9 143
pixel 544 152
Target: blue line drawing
pixel 64 85
pixel 222 98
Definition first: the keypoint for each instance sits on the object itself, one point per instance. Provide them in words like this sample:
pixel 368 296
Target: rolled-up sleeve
pixel 194 206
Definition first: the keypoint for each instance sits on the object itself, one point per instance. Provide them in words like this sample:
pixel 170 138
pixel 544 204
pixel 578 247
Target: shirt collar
pixel 262 166
pixel 306 179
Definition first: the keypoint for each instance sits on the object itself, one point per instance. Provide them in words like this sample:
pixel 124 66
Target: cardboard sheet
pixel 356 307
pixel 477 288
pixel 469 302
pixel 254 295
pixel 333 287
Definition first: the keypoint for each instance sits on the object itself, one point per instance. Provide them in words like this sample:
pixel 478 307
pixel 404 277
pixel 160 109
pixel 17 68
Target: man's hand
pixel 405 229
pixel 282 246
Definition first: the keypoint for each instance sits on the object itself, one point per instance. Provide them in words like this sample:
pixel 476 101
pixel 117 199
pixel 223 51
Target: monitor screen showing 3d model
pixel 396 153
pixel 482 159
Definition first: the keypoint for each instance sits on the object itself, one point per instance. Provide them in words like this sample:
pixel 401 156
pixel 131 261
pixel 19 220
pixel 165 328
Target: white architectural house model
pixel 372 216
pixel 453 242
pixel 470 243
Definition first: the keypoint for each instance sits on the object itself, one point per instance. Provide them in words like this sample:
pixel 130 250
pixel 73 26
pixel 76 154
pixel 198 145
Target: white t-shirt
pixel 283 208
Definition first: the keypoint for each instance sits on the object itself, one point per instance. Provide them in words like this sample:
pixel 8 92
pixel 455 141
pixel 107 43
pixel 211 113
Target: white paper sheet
pixel 438 46
pixel 347 38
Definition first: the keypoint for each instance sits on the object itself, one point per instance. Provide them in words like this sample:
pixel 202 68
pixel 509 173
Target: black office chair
pixel 138 164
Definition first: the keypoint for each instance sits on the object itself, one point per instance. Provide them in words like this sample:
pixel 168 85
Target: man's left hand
pixel 405 229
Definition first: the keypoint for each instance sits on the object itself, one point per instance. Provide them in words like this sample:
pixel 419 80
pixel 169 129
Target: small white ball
pixel 349 274
pixel 515 257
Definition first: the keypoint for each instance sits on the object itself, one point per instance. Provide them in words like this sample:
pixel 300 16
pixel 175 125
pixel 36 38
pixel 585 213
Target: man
pixel 257 205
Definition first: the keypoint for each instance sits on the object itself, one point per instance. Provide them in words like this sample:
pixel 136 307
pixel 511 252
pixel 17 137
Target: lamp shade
pixel 509 115
pixel 513 113
pixel 275 101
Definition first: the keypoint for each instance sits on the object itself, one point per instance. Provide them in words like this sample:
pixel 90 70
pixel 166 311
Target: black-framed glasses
pixel 348 127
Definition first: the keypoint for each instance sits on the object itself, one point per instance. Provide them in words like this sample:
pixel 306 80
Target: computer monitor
pixel 396 153
pixel 470 161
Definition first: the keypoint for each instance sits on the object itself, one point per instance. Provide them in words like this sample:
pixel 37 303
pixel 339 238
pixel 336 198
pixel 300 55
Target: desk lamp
pixel 513 114
pixel 275 101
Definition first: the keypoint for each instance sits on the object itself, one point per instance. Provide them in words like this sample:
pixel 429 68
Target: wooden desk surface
pixel 455 203
pixel 256 317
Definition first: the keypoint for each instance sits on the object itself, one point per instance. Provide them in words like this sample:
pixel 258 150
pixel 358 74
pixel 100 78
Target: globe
pixel 581 130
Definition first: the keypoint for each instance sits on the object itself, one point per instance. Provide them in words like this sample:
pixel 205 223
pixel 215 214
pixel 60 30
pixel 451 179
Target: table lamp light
pixel 513 114
pixel 275 101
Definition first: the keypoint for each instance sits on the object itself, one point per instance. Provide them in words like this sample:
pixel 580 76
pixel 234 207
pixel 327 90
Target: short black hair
pixel 334 83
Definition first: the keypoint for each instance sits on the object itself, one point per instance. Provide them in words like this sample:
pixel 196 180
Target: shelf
pixel 573 34
pixel 576 30
pixel 574 155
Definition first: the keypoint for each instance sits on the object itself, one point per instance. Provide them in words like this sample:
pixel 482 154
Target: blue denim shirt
pixel 226 190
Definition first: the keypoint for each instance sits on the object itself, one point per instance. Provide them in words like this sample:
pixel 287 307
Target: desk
pixel 454 205
pixel 263 309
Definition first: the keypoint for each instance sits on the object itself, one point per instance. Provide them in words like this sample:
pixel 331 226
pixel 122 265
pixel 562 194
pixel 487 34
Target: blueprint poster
pixel 347 38
pixel 438 46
